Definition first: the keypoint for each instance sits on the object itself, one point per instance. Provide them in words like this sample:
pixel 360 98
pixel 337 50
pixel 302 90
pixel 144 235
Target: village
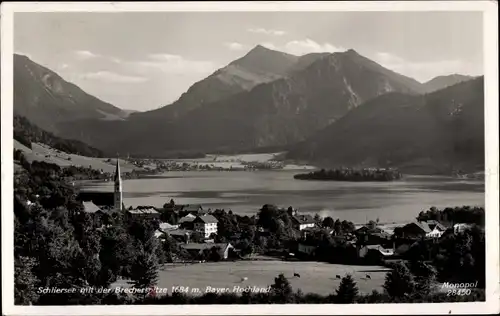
pixel 197 231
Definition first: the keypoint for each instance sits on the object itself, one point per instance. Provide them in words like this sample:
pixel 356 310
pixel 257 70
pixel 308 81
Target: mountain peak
pixel 263 59
pixel 260 49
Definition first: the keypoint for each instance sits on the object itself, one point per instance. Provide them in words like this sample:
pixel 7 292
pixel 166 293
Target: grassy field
pixel 41 152
pixel 315 277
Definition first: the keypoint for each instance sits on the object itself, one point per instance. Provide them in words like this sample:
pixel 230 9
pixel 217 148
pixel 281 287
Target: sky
pixel 145 60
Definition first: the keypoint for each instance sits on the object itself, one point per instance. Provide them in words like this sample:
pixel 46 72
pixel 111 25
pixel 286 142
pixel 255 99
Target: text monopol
pixel 449 285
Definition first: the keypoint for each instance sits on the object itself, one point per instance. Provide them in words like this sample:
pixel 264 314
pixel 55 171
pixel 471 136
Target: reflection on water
pixel 245 192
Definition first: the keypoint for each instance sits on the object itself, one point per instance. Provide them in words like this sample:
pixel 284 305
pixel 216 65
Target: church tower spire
pixel 118 187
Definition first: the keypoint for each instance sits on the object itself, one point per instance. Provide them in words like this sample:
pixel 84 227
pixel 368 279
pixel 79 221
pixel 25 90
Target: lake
pixel 244 192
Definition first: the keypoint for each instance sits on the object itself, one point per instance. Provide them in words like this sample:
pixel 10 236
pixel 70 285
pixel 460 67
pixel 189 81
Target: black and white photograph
pixel 265 158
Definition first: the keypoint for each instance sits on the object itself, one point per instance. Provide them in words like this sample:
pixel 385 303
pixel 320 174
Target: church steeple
pixel 118 187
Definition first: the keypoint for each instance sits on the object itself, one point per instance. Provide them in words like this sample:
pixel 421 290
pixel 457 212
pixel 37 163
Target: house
pixel 197 249
pixel 372 236
pixel 206 225
pixel 437 229
pixel 461 227
pixel 415 230
pixel 149 213
pixel 309 231
pixel 375 254
pixel 301 222
pixel 186 222
pixel 194 209
pixel 181 235
pixel 435 233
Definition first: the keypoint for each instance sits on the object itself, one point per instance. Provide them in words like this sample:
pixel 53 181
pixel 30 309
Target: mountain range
pixel 440 132
pixel 263 99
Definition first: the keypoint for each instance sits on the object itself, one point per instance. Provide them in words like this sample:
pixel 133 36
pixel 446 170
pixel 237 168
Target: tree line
pixel 349 174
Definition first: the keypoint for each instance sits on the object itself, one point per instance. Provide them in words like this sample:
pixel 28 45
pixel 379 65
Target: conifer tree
pixel 399 282
pixel 347 291
pixel 144 271
pixel 424 275
pixel 281 290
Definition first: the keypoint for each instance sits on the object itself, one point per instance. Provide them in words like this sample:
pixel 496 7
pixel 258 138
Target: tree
pixel 347 291
pixel 214 254
pixel 25 281
pixel 425 276
pixel 399 281
pixel 281 290
pixel 317 219
pixel 337 227
pixel 328 222
pixel 371 224
pixel 196 237
pixel 347 227
pixel 144 271
pixel 87 264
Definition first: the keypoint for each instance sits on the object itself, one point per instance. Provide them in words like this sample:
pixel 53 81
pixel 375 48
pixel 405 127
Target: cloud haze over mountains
pixel 149 63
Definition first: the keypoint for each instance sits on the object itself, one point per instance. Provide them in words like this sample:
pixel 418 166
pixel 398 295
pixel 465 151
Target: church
pixel 95 201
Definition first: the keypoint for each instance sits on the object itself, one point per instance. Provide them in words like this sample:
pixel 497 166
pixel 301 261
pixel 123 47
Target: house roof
pixel 207 219
pixel 377 231
pixel 143 211
pixel 149 211
pixel 90 207
pixel 134 211
pixel 422 225
pixel 178 232
pixel 435 224
pixel 192 207
pixel 187 219
pixel 167 226
pixel 303 219
pixel 312 229
pixel 382 250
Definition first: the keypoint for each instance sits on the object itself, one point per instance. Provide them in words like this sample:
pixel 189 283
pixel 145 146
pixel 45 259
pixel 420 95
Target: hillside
pixel 277 113
pixel 39 145
pixel 46 99
pixel 45 153
pixel 27 133
pixel 436 133
pixel 442 82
